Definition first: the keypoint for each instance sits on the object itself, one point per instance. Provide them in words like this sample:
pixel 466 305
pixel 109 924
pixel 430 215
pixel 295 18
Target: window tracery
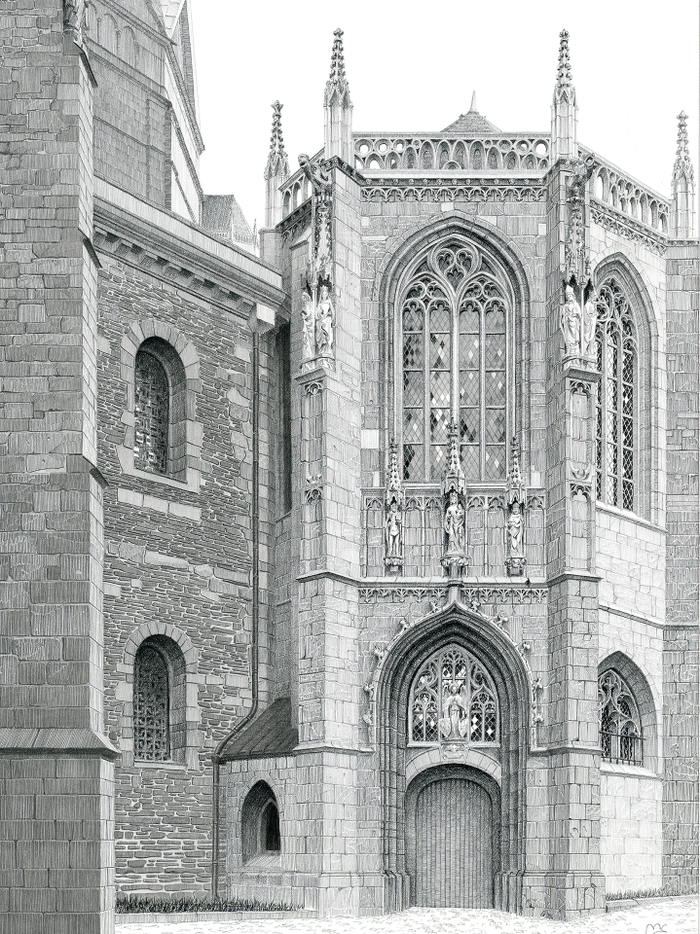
pixel 453 699
pixel 151 414
pixel 151 705
pixel 620 724
pixel 455 313
pixel 616 404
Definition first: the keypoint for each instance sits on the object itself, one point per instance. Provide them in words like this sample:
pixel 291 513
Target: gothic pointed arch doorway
pixel 453 702
pixel 453 838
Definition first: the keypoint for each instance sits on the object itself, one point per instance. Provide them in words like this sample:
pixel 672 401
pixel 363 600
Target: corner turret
pixel 682 219
pixel 338 107
pixel 564 106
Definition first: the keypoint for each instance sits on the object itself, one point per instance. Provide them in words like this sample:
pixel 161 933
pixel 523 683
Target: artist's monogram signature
pixel 655 929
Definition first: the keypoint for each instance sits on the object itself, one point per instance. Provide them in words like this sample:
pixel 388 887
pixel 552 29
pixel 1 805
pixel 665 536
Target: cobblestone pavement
pixel 676 916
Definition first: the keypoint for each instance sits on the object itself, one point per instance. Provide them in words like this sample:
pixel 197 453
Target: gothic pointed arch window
pixel 620 724
pixel 616 416
pixel 453 699
pixel 455 323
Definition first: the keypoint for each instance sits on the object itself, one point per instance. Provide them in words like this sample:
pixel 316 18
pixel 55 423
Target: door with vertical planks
pixel 454 845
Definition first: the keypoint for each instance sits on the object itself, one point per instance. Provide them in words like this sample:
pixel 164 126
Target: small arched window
pixel 453 699
pixel 159 710
pixel 260 823
pixel 617 399
pixel 151 413
pixel 455 312
pixel 620 724
pixel 151 705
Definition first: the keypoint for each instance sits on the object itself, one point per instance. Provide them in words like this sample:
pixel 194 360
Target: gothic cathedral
pixel 353 564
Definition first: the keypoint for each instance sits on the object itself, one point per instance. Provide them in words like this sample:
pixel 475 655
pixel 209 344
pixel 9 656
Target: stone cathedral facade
pixel 361 573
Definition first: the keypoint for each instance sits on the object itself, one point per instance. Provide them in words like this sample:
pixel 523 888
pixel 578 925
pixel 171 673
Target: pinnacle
pixel 682 165
pixel 564 66
pixel 473 109
pixel 277 162
pixel 337 87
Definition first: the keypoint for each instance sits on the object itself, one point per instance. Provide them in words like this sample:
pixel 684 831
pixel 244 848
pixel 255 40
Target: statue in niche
pixel 455 723
pixel 515 530
pixel 307 318
pixel 393 533
pixel 589 320
pixel 454 524
pixel 324 323
pixel 571 323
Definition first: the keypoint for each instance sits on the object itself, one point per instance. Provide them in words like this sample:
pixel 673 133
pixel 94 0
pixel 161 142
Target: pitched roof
pixel 222 215
pixel 271 734
pixel 472 123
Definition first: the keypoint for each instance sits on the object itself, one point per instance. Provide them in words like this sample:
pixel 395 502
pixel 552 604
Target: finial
pixel 337 82
pixel 682 166
pixel 516 484
pixel 277 162
pixel 472 107
pixel 564 68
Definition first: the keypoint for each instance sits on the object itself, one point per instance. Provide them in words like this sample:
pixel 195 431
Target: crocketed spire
pixel 337 107
pixel 682 218
pixel 564 106
pixel 564 69
pixel 682 167
pixel 277 162
pixel 337 83
pixel 394 479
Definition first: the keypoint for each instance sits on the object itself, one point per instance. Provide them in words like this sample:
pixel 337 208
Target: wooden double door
pixel 454 846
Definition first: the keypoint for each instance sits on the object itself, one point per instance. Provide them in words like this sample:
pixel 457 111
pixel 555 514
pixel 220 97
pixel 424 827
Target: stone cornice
pixel 169 247
pixel 610 219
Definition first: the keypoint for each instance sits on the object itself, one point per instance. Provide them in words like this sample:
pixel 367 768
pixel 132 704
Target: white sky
pixel 413 66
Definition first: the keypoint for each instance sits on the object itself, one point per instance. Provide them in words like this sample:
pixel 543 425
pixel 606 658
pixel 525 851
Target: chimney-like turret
pixel 338 107
pixel 564 107
pixel 276 170
pixel 682 224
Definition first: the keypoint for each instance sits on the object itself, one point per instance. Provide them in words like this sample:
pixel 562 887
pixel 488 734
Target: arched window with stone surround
pixel 621 737
pixel 160 389
pixel 453 699
pixel 151 413
pixel 455 322
pixel 159 701
pixel 616 409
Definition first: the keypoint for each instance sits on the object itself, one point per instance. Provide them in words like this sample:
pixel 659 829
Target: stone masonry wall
pixel 178 562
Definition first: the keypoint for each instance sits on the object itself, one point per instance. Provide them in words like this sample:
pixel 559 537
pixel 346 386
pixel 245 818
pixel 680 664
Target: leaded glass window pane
pixel 151 706
pixel 151 414
pixel 453 699
pixel 456 369
pixel 620 725
pixel 616 405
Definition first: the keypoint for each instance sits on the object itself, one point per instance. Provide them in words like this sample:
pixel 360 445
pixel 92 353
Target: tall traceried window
pixel 151 413
pixel 151 705
pixel 453 699
pixel 455 314
pixel 620 723
pixel 616 405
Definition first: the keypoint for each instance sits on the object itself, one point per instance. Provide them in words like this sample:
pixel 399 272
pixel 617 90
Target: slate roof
pixel 222 215
pixel 471 124
pixel 272 734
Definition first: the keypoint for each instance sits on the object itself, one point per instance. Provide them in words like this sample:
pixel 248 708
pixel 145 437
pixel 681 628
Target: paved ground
pixel 676 916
